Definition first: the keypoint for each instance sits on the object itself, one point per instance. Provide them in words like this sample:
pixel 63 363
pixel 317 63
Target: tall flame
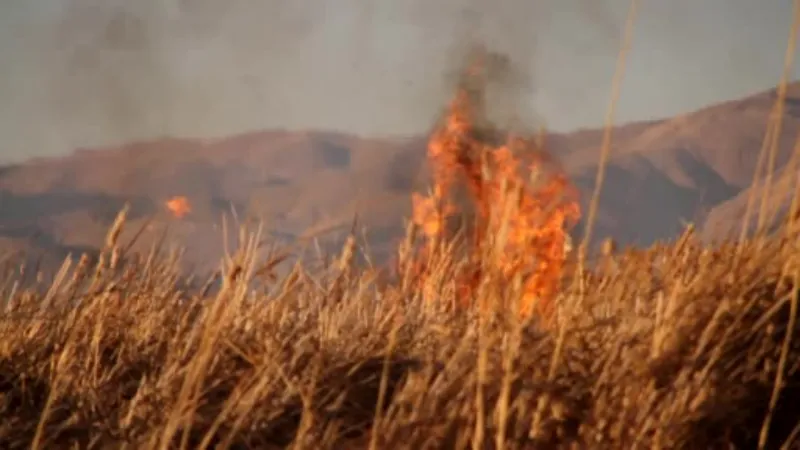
pixel 518 212
pixel 179 206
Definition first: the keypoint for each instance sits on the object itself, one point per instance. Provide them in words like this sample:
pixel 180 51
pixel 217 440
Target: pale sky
pixel 95 72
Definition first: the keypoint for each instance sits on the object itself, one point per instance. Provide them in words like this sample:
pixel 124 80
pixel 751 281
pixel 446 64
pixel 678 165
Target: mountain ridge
pixel 661 174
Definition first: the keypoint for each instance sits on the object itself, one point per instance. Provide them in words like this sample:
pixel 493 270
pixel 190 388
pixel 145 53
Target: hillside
pixel 661 174
pixel 687 168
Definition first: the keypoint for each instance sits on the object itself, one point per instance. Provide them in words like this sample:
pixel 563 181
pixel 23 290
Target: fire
pixel 521 217
pixel 179 206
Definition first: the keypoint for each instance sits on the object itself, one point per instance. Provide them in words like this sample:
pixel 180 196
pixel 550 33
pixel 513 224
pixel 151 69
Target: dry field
pixel 677 346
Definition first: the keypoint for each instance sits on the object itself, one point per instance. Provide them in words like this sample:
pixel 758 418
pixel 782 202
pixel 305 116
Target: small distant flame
pixel 179 206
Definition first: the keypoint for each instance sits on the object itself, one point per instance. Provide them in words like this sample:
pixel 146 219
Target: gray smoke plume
pixel 94 72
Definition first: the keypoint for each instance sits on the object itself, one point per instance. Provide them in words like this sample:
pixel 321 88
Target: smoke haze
pixel 96 72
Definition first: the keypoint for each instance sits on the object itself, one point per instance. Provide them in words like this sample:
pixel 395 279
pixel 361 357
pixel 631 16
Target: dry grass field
pixel 488 336
pixel 676 346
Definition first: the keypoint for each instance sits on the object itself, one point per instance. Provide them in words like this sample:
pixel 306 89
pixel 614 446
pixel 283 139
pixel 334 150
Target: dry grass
pixel 677 346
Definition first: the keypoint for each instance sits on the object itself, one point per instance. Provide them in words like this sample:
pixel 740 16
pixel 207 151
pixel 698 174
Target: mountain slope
pixel 661 174
pixel 678 170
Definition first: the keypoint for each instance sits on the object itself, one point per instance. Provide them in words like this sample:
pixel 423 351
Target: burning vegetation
pixel 179 206
pixel 514 213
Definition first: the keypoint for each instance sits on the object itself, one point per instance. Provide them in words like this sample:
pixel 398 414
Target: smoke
pixel 97 72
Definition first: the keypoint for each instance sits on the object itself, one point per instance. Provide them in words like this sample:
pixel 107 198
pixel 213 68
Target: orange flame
pixel 179 206
pixel 525 225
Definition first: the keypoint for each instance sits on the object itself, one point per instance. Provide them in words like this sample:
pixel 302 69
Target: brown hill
pixel 661 174
pixel 684 169
pixel 299 183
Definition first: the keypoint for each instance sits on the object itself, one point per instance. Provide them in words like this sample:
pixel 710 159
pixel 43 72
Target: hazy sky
pixel 93 72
